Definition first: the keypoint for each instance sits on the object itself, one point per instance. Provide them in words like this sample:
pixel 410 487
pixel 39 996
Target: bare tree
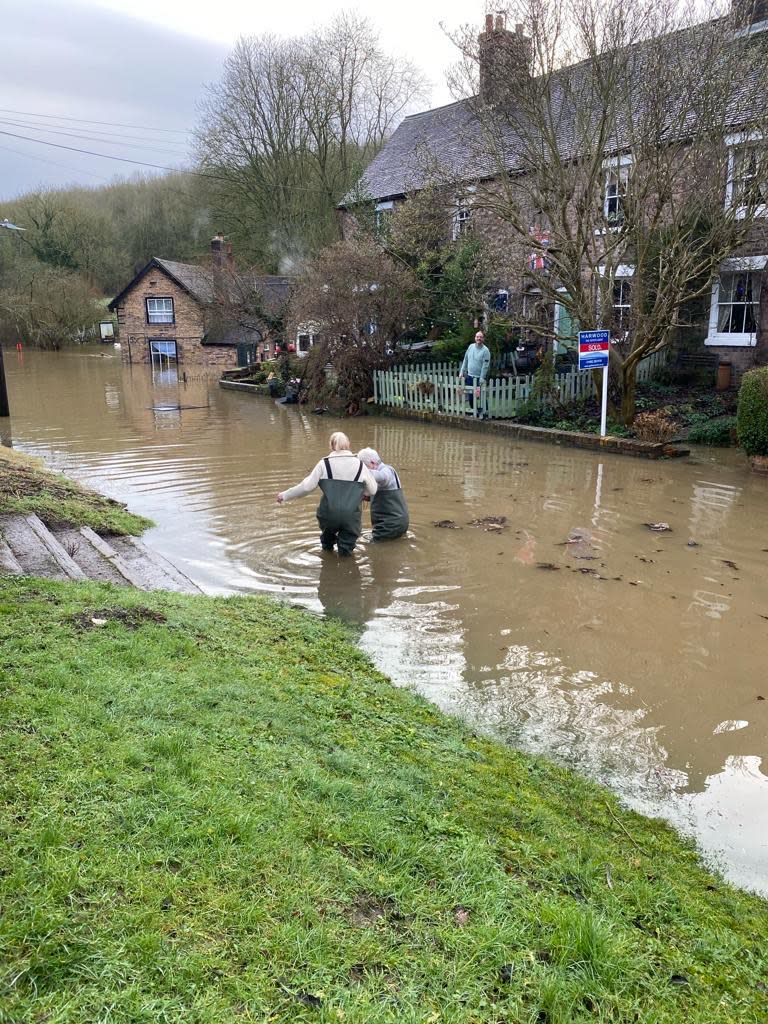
pixel 601 144
pixel 290 126
pixel 360 302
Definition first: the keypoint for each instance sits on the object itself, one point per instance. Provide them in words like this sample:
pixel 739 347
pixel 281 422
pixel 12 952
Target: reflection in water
pixel 636 657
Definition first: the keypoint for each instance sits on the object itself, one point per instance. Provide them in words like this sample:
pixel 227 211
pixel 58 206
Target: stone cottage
pixel 202 315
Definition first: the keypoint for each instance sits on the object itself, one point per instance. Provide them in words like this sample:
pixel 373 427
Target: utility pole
pixel 5 409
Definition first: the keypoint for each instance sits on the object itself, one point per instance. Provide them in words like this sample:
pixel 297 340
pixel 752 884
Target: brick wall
pixel 187 331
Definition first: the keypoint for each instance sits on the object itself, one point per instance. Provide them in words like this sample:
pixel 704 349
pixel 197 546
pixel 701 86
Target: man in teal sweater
pixel 475 367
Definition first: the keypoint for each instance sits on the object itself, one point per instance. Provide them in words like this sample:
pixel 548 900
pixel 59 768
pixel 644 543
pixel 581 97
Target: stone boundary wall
pixel 523 432
pixel 518 431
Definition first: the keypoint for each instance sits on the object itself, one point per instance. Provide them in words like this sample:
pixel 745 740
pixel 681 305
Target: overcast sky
pixel 144 64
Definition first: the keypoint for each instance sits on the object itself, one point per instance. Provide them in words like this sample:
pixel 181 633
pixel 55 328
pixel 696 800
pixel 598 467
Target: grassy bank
pixel 216 810
pixel 26 486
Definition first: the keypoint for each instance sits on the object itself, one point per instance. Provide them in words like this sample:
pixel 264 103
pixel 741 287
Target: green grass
pixel 215 810
pixel 26 487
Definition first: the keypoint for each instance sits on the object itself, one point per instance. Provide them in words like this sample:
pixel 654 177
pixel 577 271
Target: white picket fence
pixel 436 388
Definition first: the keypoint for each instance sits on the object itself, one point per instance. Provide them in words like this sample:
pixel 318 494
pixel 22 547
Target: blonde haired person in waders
pixel 389 509
pixel 344 481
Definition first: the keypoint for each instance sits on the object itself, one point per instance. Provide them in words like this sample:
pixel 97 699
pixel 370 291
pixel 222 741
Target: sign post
pixel 594 352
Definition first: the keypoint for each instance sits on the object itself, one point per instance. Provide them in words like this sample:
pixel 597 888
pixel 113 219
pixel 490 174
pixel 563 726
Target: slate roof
pixel 197 281
pixel 402 165
pixel 449 139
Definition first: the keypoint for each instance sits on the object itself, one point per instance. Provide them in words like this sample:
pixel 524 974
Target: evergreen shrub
pixel 752 412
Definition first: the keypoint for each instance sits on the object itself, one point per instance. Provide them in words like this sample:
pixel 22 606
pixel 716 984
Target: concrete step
pixel 97 559
pixel 28 547
pixel 156 571
pixel 36 550
pixel 9 565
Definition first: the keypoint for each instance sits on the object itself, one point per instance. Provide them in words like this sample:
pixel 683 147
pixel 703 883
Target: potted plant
pixel 752 417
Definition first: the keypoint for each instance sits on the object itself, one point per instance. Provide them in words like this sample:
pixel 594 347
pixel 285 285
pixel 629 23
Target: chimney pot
pixel 489 23
pixel 499 22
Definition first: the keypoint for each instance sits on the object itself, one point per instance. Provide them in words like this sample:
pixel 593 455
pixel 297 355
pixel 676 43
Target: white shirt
pixel 344 466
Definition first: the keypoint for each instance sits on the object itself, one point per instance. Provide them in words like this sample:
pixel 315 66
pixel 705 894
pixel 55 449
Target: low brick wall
pixel 523 432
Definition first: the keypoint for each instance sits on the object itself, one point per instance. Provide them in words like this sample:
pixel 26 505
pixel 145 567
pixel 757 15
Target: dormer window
pixel 747 187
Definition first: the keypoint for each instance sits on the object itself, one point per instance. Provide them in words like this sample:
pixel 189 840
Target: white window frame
pixel 734 142
pixel 461 221
pixel 620 272
pixel 309 330
pixel 492 303
pixel 383 213
pixel 157 313
pixel 621 166
pixel 733 266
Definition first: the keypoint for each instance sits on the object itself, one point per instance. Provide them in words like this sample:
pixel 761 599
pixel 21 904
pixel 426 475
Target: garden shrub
pixel 752 412
pixel 654 426
pixel 718 433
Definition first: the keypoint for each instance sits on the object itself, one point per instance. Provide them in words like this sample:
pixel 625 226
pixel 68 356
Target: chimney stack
pixel 221 252
pixel 505 60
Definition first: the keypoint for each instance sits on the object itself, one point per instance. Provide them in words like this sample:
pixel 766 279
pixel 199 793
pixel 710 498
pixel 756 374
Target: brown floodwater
pixel 636 657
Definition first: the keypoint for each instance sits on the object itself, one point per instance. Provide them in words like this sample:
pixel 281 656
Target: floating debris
pixel 659 527
pixel 730 564
pixel 490 523
pixel 547 565
pixel 693 544
pixel 445 524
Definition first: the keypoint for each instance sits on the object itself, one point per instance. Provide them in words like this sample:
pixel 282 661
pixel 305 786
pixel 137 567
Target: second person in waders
pixel 344 481
pixel 389 509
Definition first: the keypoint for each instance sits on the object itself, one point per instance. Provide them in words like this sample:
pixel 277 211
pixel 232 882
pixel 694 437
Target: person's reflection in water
pixel 353 589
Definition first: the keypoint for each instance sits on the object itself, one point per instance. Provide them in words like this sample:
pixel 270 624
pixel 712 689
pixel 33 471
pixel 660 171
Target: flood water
pixel 640 659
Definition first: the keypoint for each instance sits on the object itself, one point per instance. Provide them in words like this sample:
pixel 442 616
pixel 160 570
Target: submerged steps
pixel 28 547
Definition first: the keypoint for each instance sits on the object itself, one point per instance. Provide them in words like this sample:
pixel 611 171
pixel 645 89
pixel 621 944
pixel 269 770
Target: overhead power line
pixel 144 163
pixel 55 163
pixel 141 144
pixel 93 133
pixel 108 124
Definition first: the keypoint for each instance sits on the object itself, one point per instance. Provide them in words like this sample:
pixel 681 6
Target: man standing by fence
pixel 475 367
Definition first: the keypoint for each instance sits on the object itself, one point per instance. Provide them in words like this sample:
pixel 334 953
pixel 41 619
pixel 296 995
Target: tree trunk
pixel 628 384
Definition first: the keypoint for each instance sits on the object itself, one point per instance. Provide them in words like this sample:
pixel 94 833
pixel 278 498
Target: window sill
pixel 733 340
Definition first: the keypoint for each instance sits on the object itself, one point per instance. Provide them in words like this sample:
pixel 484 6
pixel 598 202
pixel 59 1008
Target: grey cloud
pixel 85 62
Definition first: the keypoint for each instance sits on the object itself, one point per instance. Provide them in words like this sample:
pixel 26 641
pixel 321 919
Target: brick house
pixel 199 315
pixel 735 327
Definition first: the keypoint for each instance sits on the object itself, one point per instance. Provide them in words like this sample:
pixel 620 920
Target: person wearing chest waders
pixel 344 481
pixel 389 509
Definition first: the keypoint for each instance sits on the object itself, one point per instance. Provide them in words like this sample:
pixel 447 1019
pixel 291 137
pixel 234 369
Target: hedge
pixel 752 412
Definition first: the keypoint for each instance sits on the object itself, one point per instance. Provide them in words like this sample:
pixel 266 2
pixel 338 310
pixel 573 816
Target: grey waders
pixel 389 513
pixel 339 513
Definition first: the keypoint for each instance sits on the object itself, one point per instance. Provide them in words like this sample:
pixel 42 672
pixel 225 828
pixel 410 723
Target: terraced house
pixel 207 315
pixel 625 190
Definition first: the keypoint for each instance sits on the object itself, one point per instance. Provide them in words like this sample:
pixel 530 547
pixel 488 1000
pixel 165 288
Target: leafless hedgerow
pixel 360 302
pixel 600 143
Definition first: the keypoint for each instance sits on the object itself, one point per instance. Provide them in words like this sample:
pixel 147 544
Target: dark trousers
pixel 344 536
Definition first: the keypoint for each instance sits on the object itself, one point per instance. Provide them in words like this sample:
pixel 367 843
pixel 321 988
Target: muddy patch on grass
pixel 367 911
pixel 131 618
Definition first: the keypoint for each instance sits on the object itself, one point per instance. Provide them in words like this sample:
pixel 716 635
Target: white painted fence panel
pixel 436 388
